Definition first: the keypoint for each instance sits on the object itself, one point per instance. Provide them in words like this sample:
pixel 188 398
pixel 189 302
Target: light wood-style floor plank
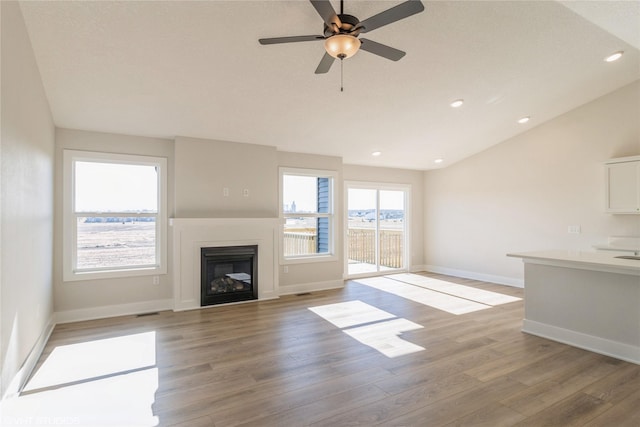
pixel 277 363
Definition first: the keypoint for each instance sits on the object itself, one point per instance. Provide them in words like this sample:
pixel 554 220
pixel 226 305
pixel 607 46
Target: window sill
pixel 308 260
pixel 113 274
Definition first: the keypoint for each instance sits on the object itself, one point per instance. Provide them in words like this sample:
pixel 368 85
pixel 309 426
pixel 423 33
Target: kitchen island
pixel 589 300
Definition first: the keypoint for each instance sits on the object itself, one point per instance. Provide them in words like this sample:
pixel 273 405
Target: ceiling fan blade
pixel 292 39
pixel 396 13
pixel 325 64
pixel 381 50
pixel 327 13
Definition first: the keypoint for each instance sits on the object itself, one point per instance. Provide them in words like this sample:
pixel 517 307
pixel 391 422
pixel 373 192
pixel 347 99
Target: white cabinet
pixel 623 185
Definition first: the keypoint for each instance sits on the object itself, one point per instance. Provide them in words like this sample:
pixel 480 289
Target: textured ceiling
pixel 195 69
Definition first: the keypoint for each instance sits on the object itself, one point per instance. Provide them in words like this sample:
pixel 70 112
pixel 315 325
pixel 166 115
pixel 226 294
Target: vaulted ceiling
pixel 182 68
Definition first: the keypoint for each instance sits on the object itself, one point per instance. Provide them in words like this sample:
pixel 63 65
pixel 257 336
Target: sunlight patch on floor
pixel 441 301
pixel 351 313
pixel 109 382
pixel 455 289
pixel 371 326
pixel 92 359
pixel 122 400
pixel 385 337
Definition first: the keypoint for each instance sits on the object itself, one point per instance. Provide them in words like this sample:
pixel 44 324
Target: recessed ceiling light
pixel 438 161
pixel 376 153
pixel 524 119
pixel 457 103
pixel 614 56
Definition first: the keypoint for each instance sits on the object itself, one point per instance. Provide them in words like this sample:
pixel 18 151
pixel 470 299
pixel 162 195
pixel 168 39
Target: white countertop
pixel 597 261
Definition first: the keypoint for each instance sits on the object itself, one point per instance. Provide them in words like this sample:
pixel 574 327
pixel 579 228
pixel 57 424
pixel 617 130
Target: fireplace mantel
pixel 192 234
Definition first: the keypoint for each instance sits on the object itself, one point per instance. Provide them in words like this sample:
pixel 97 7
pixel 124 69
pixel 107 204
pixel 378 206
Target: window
pixel 114 215
pixel 307 210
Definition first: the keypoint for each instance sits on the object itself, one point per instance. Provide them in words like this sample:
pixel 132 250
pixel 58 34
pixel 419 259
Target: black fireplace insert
pixel 228 274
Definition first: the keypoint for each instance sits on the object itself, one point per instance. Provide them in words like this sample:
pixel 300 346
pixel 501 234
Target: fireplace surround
pixel 228 274
pixel 190 235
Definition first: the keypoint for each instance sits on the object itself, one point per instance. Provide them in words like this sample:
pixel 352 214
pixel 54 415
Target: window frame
pixel 70 229
pixel 330 255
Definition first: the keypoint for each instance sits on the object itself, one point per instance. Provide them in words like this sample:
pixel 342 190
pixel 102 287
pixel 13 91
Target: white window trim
pixel 306 259
pixel 69 230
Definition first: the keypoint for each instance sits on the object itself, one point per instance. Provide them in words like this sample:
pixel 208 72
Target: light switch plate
pixel 574 229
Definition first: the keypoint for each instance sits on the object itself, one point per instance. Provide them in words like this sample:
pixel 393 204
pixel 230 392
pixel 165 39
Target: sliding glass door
pixel 376 229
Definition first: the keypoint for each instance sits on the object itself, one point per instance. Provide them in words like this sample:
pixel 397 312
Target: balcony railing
pixel 299 243
pixel 361 245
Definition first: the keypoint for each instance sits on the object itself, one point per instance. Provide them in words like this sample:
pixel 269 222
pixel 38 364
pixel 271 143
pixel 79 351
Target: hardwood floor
pixel 277 363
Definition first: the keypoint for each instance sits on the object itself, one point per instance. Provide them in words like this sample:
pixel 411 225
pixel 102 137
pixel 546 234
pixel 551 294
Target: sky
pixel 302 190
pixel 365 198
pixel 108 187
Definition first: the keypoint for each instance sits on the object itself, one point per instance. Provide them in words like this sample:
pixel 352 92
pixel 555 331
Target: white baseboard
pixel 112 311
pixel 417 268
pixel 20 378
pixel 622 351
pixel 311 287
pixel 214 306
pixel 500 280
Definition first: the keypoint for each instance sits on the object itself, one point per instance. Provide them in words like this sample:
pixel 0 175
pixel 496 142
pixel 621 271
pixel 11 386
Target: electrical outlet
pixel 574 229
pixel 286 268
pixel 225 191
pixel 245 192
pixel 156 280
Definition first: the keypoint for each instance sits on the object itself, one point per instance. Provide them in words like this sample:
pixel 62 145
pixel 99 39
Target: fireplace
pixel 228 274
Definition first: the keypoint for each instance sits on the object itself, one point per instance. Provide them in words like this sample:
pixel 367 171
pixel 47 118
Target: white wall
pixel 399 176
pixel 203 168
pixel 26 213
pixel 522 194
pixel 106 297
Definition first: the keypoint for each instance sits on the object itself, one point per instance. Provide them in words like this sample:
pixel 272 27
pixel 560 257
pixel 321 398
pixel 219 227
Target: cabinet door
pixel 623 187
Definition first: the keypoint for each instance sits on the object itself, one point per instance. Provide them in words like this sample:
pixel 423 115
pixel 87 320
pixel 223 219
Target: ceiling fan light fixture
pixel 342 46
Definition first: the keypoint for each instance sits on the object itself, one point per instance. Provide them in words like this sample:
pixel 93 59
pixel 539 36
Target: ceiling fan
pixel 341 32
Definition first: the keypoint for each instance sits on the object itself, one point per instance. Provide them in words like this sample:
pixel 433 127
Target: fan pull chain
pixel 341 76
